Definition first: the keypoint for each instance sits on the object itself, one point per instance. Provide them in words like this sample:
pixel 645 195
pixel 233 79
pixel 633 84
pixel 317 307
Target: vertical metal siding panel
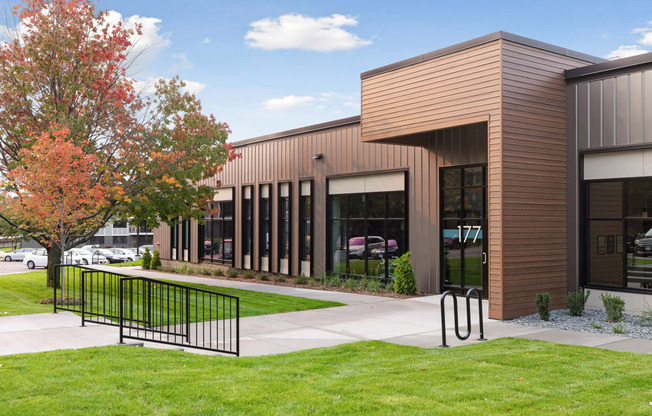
pixel 608 112
pixel 622 110
pixel 635 108
pixel 595 114
pixel 583 115
pixel 647 106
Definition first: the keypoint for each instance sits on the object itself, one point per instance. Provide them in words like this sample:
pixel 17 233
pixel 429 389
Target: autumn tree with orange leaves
pixel 78 144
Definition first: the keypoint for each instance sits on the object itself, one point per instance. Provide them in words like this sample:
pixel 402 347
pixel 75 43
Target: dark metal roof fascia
pixel 609 66
pixel 301 130
pixel 477 42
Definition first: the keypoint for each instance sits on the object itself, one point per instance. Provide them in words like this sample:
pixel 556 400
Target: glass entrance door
pixel 463 213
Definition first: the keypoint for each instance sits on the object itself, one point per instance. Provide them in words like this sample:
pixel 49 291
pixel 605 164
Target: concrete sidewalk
pixel 413 322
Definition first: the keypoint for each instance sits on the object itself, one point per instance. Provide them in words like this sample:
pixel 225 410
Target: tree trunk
pixel 54 258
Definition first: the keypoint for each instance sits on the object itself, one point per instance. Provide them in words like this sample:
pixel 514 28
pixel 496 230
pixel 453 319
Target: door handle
pixel 484 258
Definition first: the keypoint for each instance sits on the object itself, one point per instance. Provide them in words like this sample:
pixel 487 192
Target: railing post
pixel 83 299
pixel 482 338
pixel 120 307
pixel 237 326
pixel 188 315
pixel 443 318
pixel 56 278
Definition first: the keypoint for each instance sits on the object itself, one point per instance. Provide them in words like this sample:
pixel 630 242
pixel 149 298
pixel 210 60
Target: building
pixel 119 234
pixel 502 163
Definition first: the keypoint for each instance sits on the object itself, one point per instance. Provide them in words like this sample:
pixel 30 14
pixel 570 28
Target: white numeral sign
pixel 468 229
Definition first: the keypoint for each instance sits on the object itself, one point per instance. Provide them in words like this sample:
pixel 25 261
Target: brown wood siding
pixel 534 174
pixel 421 97
pixel 613 111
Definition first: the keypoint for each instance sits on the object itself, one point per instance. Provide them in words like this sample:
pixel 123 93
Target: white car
pixel 18 255
pixel 90 247
pixel 37 258
pixel 83 257
pixel 128 252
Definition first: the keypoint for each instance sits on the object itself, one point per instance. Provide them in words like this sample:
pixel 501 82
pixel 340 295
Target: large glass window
pixel 265 235
pixel 185 240
pixel 618 234
pixel 367 232
pixel 174 242
pixel 305 228
pixel 284 227
pixel 218 233
pixel 247 226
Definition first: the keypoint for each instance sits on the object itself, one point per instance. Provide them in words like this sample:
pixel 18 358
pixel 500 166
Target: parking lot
pixel 12 267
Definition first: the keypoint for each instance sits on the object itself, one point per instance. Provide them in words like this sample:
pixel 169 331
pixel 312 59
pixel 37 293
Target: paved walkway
pixel 413 322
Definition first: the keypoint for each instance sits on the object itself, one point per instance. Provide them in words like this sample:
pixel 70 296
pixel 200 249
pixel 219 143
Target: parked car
pixel 142 248
pixel 18 255
pixel 110 255
pixel 644 245
pixel 390 250
pixel 37 258
pixel 83 257
pixel 357 245
pixel 132 254
pixel 127 254
pixel 90 247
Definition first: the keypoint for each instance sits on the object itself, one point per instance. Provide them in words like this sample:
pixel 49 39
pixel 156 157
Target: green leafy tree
pixel 67 69
pixel 404 282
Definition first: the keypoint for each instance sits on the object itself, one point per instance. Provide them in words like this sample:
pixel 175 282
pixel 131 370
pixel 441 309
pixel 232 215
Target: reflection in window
pixel 367 232
pixel 218 233
pixel 247 226
pixel 265 226
pixel 285 242
pixel 305 228
pixel 618 239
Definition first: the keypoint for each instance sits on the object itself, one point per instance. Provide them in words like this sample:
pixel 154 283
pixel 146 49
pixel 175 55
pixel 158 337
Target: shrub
pixel 156 260
pixel 542 302
pixel 362 283
pixel 404 282
pixel 279 278
pixel 312 281
pixel 263 276
pixel 232 273
pixel 351 283
pixel 249 274
pixel 300 279
pixel 596 326
pixel 186 269
pixel 373 285
pixel 619 329
pixel 389 285
pixel 218 272
pixel 146 259
pixel 576 301
pixel 613 306
pixel 333 280
pixel 205 271
pixel 646 318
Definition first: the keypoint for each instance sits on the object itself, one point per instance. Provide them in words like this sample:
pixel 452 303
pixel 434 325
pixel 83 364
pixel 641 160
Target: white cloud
pixel 206 40
pixel 294 31
pixel 289 101
pixel 148 86
pixel 184 62
pixel 645 40
pixel 149 45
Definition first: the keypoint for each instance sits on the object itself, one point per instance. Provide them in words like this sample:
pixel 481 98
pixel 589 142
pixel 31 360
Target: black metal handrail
pixel 149 309
pixel 468 316
pixel 174 314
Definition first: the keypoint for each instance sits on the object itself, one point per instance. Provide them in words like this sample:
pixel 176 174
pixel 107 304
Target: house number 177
pixel 467 229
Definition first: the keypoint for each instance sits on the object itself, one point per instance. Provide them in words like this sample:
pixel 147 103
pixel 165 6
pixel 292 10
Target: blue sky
pixel 301 62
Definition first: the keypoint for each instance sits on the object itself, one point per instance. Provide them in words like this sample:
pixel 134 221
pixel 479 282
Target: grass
pixel 127 264
pixel 20 294
pixel 505 376
pixel 6 250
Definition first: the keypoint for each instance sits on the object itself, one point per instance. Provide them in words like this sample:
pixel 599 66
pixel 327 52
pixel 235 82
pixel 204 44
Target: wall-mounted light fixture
pixel 317 156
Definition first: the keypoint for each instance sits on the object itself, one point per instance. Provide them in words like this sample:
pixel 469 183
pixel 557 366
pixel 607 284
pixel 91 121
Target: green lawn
pixel 20 294
pixel 501 377
pixel 127 264
pixel 6 250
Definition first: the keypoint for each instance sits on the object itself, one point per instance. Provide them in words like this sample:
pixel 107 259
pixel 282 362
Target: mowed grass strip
pixel 501 377
pixel 20 294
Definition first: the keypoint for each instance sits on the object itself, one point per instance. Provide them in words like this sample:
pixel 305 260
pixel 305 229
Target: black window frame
pixel 247 218
pixel 174 242
pixel 347 218
pixel 303 225
pixel 219 217
pixel 261 220
pixel 185 242
pixel 281 229
pixel 584 227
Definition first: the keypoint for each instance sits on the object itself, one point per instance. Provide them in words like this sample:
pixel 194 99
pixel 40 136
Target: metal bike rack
pixel 468 317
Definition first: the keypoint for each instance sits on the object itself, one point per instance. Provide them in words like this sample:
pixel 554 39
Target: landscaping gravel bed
pixel 594 321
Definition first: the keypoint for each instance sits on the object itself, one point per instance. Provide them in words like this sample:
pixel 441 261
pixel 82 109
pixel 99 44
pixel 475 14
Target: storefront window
pixel 217 240
pixel 265 226
pixel 247 226
pixel 367 232
pixel 305 228
pixel 284 227
pixel 619 247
